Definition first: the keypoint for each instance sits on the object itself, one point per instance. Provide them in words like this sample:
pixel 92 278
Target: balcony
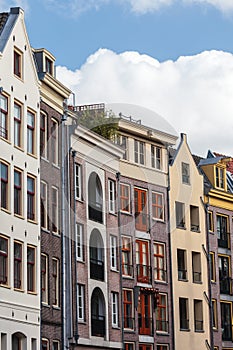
pixel 127 270
pixel 161 326
pixel 97 269
pixel 95 212
pixel 227 332
pixel 144 273
pixel 225 285
pixel 160 274
pixel 224 239
pixel 182 274
pixel 145 325
pixel 198 324
pixel 196 277
pixel 129 322
pixel 184 324
pixel 97 325
pixel 142 222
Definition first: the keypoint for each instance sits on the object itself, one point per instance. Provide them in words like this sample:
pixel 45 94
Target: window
pixel 48 66
pixel 144 314
pixel 210 221
pixel 31 269
pixel 3 116
pixel 115 306
pixel 180 216
pixel 44 205
pixel 145 347
pixel 214 314
pixel 222 231
pixel 125 198
pixel 224 274
pixel 160 273
pixel 183 313
pixel 45 344
pixel 156 157
pixel 219 178
pixel 17 125
pixel 194 218
pixel 4 185
pixel 143 262
pixel 127 268
pixel 113 252
pixel 140 207
pixel 226 320
pixel 44 278
pixel 161 314
pixel 55 210
pixel 129 346
pixel 182 265
pixel 43 135
pixel 55 281
pixel 196 266
pixel 198 315
pixel 56 345
pixel 18 265
pixel 185 173
pixel 112 196
pixel 54 141
pixel 4 260
pixel 162 347
pixel 30 198
pixel 79 243
pixel 123 142
pixel 128 308
pixel 17 192
pixel 78 181
pixel 81 303
pixel 30 132
pixel 212 267
pixel 139 152
pixel 157 206
pixel 18 63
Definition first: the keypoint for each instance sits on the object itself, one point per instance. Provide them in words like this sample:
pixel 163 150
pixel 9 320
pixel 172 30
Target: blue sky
pixel 172 56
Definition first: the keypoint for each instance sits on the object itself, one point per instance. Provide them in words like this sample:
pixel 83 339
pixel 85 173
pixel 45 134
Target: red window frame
pixel 161 313
pixel 143 261
pixel 128 308
pixel 140 206
pixel 144 314
pixel 127 267
pixel 157 206
pixel 54 141
pixel 159 262
pixel 125 197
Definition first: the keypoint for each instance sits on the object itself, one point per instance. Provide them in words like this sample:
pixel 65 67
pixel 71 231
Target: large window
pixel 4 185
pixel 79 242
pixel 81 303
pixel 44 278
pixel 156 157
pixel 31 269
pixel 224 274
pixel 128 308
pixel 129 346
pixel 55 210
pixel 112 196
pixel 54 141
pixel 139 152
pixel 18 64
pixel 140 206
pixel 4 260
pixel 125 198
pixel 198 315
pixel 78 181
pixel 113 252
pixel 185 173
pixel 44 205
pixel 180 215
pixel 222 231
pixel 17 125
pixel 115 306
pixel 184 314
pixel 55 275
pixel 31 132
pixel 161 314
pixel 143 261
pixel 157 206
pixel 127 268
pixel 43 135
pixel 18 265
pixel 226 320
pixel 3 116
pixel 160 273
pixel 31 198
pixel 17 192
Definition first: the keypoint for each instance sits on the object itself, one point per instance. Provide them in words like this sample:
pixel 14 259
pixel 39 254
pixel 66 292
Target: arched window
pixel 96 247
pixel 97 313
pixel 18 341
pixel 95 198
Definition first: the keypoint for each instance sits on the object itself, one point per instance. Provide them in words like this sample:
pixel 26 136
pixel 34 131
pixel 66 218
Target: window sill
pixel 32 155
pixel 112 213
pixel 128 277
pixel 6 140
pixel 195 282
pixel 79 200
pixel 56 307
pixel 6 210
pixel 82 322
pixel 114 270
pixel 183 280
pixel 181 227
pixel 19 148
pixel 44 304
pixel 19 78
pixel 199 331
pixel 44 159
pixel 19 290
pixel 56 234
pixel 161 281
pixel 32 293
pixel 80 261
pixel 19 216
pixel 7 286
pixel 33 221
pixel 185 330
pixel 56 166
pixel 45 230
pixel 162 221
pixel 162 332
pixel 115 327
pixel 126 213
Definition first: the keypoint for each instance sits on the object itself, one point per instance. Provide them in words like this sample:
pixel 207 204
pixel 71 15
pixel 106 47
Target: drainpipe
pixel 118 175
pixel 169 251
pixel 76 335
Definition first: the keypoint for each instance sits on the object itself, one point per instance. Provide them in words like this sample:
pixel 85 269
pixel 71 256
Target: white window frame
pixel 115 307
pixel 78 181
pixel 56 342
pixel 113 252
pixel 139 152
pixel 81 302
pixel 112 196
pixel 79 242
pixel 156 157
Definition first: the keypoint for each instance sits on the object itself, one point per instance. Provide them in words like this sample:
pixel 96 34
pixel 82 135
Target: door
pixel 141 218
pixel 144 314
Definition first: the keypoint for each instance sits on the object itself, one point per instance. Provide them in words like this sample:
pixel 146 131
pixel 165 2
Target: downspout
pixel 118 175
pixel 76 335
pixel 169 252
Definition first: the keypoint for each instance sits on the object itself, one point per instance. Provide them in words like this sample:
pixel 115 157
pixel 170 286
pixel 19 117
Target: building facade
pixel 20 187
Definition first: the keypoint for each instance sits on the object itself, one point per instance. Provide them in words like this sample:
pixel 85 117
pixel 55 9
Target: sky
pixel 174 57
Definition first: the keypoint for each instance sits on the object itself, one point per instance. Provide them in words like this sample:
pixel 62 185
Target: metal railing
pixel 95 211
pixel 144 273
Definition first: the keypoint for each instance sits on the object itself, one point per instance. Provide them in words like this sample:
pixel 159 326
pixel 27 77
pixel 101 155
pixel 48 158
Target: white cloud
pixel 5 5
pixel 194 93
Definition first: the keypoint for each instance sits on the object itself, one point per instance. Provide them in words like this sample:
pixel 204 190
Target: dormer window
pixel 48 66
pixel 219 177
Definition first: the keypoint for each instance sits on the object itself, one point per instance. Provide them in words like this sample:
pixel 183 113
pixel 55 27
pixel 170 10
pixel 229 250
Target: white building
pixel 19 176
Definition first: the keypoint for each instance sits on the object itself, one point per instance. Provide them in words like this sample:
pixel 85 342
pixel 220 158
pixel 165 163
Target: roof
pixel 7 22
pixel 3 18
pixel 229 164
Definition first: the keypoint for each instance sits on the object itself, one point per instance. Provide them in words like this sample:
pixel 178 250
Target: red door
pixel 143 261
pixel 141 219
pixel 144 314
